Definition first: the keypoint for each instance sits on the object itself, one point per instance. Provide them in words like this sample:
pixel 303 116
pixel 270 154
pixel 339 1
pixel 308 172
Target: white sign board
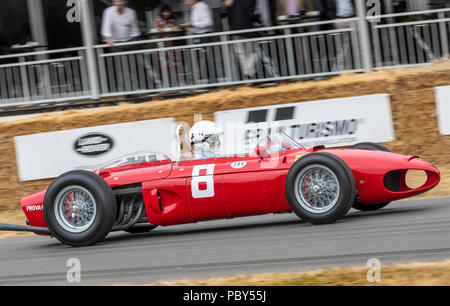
pixel 443 108
pixel 48 155
pixel 335 122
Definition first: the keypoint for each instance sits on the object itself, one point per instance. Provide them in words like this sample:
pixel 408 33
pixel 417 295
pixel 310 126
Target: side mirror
pixel 262 151
pixel 286 145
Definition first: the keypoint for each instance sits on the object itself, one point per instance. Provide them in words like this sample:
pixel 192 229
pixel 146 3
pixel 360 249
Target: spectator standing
pixel 241 17
pixel 340 9
pixel 119 23
pixel 165 22
pixel 293 7
pixel 343 9
pixel 201 20
pixel 335 9
pixel 263 11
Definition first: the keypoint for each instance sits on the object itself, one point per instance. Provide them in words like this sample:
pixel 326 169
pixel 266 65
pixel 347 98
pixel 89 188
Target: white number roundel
pixel 238 164
pixel 198 179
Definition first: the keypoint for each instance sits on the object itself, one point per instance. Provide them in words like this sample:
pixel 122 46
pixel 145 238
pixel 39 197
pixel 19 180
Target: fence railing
pixel 304 50
pixel 413 38
pixel 229 58
pixel 43 76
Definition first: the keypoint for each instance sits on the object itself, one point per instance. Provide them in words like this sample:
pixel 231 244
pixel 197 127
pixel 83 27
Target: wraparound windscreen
pixel 47 155
pixel 334 122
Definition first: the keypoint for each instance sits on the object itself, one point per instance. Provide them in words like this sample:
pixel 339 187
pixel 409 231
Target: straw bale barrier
pixel 412 101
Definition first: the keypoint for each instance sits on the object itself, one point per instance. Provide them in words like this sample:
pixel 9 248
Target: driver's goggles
pixel 212 139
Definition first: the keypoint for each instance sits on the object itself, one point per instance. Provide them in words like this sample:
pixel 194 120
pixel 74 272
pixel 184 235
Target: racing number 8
pixel 198 179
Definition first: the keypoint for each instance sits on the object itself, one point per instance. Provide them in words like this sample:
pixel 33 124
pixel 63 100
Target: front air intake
pixel 392 180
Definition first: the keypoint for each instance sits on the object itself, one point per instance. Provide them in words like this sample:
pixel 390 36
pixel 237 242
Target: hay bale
pixel 412 100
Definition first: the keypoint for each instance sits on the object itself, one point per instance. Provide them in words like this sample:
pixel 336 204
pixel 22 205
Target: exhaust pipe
pixel 23 228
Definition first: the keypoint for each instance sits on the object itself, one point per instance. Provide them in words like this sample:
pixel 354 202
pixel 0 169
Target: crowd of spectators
pixel 194 23
pixel 120 23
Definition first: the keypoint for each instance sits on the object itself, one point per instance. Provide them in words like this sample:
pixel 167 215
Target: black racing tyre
pixel 370 146
pixel 141 229
pixel 374 147
pixel 320 188
pixel 79 208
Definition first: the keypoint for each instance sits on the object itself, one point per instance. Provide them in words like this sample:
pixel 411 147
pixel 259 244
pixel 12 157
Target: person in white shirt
pixel 344 9
pixel 202 22
pixel 201 18
pixel 262 10
pixel 119 23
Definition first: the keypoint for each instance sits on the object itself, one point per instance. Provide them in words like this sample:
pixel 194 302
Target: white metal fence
pixel 229 58
pixel 44 76
pixel 304 50
pixel 408 39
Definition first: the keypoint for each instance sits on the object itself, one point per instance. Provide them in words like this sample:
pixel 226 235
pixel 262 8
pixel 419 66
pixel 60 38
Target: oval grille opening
pixel 415 178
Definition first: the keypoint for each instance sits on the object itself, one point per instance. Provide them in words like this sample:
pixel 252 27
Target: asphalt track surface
pixel 400 233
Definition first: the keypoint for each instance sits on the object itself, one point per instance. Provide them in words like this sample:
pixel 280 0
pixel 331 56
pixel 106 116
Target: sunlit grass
pixel 415 274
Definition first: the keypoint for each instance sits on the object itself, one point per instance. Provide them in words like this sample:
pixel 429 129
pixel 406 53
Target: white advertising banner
pixel 443 108
pixel 333 123
pixel 48 155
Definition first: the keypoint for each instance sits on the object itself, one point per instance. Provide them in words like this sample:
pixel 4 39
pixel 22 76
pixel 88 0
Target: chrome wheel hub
pixel 75 209
pixel 317 189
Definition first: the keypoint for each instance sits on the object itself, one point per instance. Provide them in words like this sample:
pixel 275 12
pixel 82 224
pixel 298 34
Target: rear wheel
pixel 374 147
pixel 79 208
pixel 320 188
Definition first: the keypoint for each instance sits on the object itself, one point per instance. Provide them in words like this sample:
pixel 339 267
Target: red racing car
pixel 319 185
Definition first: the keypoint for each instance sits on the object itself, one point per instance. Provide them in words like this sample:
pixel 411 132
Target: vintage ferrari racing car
pixel 136 195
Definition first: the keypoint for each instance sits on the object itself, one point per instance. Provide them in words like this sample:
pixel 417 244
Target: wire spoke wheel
pixel 75 209
pixel 79 208
pixel 320 188
pixel 317 189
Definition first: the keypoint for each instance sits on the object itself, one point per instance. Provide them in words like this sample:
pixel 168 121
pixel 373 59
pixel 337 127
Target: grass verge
pixel 414 274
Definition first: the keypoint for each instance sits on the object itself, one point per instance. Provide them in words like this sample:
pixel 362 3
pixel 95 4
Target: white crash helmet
pixel 206 136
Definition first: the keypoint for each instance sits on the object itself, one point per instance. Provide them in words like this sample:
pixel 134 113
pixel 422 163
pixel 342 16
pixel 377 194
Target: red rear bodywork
pixel 189 191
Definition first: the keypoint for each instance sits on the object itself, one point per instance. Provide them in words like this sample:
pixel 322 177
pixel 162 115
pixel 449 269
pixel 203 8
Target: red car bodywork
pixel 190 191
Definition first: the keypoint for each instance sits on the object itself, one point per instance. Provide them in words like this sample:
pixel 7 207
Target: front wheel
pixel 320 188
pixel 79 208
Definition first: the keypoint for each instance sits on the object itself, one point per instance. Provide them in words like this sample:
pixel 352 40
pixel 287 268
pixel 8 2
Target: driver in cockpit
pixel 205 139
